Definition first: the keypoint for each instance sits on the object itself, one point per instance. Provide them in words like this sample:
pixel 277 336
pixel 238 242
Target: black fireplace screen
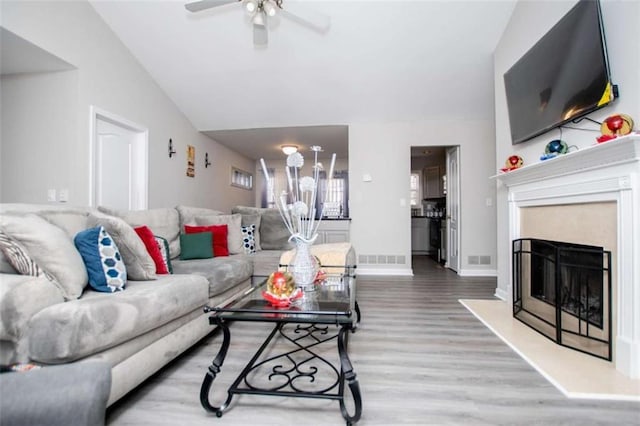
pixel 563 291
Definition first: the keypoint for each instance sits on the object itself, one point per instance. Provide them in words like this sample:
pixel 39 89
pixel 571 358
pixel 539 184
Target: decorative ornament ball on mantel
pixel 297 207
pixel 614 126
pixel 513 162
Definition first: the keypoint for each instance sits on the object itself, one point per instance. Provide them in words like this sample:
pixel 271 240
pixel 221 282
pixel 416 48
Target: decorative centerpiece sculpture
pixel 281 290
pixel 297 207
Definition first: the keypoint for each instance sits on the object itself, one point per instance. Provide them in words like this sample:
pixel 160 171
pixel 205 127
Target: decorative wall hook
pixel 171 150
pixel 207 163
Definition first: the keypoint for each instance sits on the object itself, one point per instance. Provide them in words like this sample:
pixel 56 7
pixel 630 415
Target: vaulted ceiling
pixel 379 61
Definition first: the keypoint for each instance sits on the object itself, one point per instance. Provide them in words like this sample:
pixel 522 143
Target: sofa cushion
pixel 265 262
pixel 188 214
pixel 197 245
pixel 107 272
pixel 234 231
pixel 223 273
pixel 20 298
pixel 274 235
pixel 51 248
pixel 164 222
pixel 70 221
pixel 139 264
pixel 73 330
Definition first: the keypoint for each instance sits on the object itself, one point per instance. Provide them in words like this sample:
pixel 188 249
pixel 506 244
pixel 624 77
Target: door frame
pixel 141 145
pixel 455 151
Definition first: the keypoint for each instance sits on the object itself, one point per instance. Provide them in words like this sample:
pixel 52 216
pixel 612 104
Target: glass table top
pixel 332 301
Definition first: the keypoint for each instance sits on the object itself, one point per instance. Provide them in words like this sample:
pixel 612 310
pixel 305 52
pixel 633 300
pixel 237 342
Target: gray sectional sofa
pixel 54 317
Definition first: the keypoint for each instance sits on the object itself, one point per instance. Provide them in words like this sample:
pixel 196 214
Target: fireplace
pixel 563 291
pixel 589 197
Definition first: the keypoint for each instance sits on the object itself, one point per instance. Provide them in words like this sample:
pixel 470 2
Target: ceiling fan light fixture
pixel 251 6
pixel 269 8
pixel 258 19
pixel 289 149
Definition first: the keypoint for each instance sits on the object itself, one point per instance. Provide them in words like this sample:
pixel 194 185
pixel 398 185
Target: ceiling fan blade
pixel 303 15
pixel 260 35
pixel 197 6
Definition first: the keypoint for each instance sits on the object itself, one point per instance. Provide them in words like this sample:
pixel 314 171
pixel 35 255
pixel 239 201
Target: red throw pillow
pixel 147 237
pixel 219 232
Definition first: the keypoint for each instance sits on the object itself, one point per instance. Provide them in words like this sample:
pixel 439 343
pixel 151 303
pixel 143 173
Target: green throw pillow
pixel 196 246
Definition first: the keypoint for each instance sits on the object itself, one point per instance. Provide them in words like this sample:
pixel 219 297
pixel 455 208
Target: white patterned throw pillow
pixel 248 238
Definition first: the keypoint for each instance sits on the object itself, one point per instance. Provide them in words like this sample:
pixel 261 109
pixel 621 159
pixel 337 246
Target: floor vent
pixel 485 260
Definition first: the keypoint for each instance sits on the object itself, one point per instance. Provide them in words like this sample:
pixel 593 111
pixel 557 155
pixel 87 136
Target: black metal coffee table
pixel 293 365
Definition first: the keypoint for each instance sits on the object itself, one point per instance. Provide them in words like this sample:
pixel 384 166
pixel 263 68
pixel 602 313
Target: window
pixel 415 189
pixel 336 203
pixel 241 179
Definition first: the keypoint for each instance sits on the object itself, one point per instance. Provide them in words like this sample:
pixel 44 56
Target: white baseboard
pixel 478 273
pixel 381 271
pixel 501 294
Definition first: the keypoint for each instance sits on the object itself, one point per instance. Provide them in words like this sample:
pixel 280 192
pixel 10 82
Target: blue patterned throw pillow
pixel 102 259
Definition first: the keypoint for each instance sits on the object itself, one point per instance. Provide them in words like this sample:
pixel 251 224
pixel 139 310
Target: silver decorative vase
pixel 304 266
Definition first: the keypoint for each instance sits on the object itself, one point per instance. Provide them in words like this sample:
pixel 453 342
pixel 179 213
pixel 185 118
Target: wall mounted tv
pixel 564 76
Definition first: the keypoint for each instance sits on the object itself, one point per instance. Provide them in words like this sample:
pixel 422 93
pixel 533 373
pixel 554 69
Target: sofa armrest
pixel 333 257
pixel 21 297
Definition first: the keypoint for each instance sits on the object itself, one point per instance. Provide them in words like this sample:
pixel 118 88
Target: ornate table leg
pixel 358 315
pixel 214 369
pixel 350 377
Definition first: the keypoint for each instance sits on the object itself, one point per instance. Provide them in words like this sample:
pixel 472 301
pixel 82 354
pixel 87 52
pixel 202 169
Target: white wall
pixel 529 22
pixel 381 225
pixel 45 118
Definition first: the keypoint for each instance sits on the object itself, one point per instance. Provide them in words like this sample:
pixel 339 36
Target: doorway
pixel 119 162
pixel 434 216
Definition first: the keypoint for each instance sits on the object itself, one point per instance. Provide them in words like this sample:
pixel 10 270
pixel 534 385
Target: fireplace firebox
pixel 563 291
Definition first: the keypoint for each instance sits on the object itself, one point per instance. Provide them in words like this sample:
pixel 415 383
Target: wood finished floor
pixel 421 359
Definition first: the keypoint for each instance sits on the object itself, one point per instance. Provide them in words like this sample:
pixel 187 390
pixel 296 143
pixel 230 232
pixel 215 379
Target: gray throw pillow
pixel 139 264
pixel 234 229
pixel 51 248
pixel 70 221
pixel 274 235
pixel 164 222
pixel 188 214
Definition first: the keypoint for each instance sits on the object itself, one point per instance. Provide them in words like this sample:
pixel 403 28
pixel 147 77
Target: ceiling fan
pixel 261 10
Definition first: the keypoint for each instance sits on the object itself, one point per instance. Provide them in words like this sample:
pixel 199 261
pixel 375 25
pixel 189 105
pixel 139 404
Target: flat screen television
pixel 564 76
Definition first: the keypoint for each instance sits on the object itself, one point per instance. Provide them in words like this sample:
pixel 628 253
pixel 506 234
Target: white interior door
pixel 119 159
pixel 453 207
pixel 114 167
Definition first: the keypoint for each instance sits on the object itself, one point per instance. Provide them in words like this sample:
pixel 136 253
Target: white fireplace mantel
pixel 601 173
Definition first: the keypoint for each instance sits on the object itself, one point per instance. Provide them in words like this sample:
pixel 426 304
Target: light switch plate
pixel 51 195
